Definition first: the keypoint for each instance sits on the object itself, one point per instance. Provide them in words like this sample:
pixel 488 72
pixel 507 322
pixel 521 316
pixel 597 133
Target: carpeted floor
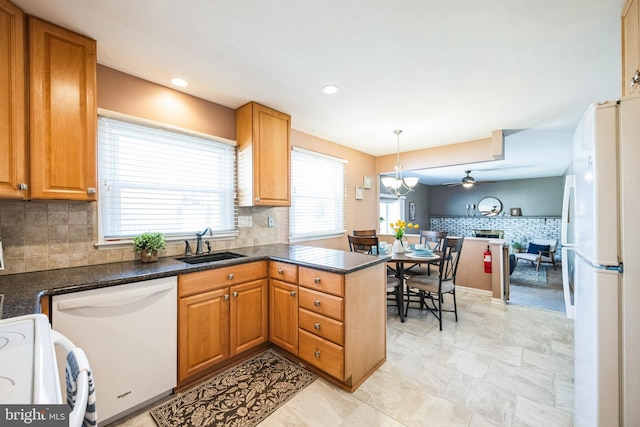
pixel 540 290
pixel 241 396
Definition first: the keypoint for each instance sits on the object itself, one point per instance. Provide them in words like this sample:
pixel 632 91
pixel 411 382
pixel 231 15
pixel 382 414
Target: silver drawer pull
pixel 293 293
pixel 280 271
pixel 316 326
pixel 317 354
pixel 235 295
pixel 316 280
pixel 91 190
pixel 226 297
pixel 316 303
pixel 230 276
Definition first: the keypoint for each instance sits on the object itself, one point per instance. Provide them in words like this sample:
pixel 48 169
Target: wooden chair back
pixel 432 238
pixel 364 233
pixel 363 245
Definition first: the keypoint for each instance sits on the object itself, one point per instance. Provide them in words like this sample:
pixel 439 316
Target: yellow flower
pixel 399 228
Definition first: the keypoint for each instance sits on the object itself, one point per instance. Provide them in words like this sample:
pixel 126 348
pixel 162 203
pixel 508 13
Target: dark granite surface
pixel 22 291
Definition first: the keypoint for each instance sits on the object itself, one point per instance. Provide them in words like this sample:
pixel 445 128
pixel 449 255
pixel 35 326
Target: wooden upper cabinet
pixel 13 160
pixel 264 156
pixel 62 113
pixel 631 48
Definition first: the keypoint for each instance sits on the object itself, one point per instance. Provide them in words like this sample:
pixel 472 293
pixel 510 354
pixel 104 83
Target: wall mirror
pixel 490 206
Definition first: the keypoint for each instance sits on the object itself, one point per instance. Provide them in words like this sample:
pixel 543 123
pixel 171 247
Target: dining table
pixel 407 257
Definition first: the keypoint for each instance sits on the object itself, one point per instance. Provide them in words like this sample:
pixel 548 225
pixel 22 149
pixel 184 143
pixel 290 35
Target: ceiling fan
pixel 467 181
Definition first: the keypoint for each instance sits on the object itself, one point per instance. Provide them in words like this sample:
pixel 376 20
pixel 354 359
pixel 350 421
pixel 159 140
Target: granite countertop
pixel 22 291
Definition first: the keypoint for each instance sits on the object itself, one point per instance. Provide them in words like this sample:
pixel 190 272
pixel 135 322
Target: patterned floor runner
pixel 241 396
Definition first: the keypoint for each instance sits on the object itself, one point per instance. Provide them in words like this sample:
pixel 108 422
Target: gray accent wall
pixel 541 197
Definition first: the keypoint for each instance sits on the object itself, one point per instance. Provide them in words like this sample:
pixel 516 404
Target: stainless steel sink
pixel 199 259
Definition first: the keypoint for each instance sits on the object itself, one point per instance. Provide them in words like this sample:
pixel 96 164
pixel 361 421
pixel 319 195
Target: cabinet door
pixel 630 46
pixel 248 315
pixel 62 113
pixel 203 331
pixel 264 156
pixel 283 315
pixel 13 161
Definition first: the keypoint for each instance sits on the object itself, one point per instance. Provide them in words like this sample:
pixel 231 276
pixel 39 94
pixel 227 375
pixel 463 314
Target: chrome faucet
pixel 199 239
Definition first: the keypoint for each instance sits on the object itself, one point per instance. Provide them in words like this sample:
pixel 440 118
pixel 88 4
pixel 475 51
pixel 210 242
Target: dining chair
pixel 432 239
pixel 365 244
pixel 427 290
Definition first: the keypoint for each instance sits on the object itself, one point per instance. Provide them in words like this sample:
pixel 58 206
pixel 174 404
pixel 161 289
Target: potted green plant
pixel 518 245
pixel 148 244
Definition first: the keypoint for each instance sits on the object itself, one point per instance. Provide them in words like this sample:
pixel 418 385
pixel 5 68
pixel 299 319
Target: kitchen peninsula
pixel 355 283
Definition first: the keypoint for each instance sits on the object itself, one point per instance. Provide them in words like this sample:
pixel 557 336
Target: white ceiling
pixel 443 71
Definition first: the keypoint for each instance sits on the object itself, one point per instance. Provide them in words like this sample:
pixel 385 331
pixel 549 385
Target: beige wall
pixel 48 235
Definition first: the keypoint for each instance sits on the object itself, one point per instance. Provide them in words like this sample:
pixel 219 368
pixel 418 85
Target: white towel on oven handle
pixel 80 390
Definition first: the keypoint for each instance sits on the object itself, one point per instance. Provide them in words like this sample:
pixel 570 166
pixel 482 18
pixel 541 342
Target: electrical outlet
pixel 270 221
pixel 245 221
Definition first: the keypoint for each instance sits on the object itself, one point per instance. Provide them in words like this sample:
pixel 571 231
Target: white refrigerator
pixel 606 271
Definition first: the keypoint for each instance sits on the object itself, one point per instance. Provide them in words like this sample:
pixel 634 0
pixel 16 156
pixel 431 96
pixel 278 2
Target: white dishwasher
pixel 129 333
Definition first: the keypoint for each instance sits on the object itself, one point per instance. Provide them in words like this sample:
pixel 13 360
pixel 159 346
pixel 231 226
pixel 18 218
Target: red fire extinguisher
pixel 487 261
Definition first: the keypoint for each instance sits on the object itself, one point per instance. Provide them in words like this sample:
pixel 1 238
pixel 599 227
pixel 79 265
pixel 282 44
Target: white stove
pixel 28 368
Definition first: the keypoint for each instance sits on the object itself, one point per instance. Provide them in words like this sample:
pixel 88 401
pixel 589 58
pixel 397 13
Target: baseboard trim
pixel 474 291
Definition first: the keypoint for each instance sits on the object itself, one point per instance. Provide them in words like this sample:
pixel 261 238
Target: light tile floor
pixel 497 366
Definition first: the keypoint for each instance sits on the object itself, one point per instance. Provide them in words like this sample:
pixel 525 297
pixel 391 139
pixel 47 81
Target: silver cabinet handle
pixel 316 303
pixel 235 295
pixel 316 280
pixel 293 293
pixel 230 276
pixel 635 79
pixel 317 354
pixel 280 271
pixel 316 326
pixel 23 186
pixel 257 199
pixel 91 190
pixel 226 297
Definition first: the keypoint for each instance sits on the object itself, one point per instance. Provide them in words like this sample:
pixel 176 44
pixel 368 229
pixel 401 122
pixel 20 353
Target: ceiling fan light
pixel 468 184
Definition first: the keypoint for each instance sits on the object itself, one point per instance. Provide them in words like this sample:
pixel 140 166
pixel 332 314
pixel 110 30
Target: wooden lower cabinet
pixel 249 316
pixel 203 331
pixel 222 312
pixel 342 321
pixel 283 315
pixel 335 323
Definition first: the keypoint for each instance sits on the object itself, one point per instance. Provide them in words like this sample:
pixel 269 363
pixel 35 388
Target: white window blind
pixel 317 195
pixel 152 179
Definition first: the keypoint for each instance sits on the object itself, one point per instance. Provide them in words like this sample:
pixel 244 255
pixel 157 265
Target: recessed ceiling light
pixel 330 89
pixel 179 82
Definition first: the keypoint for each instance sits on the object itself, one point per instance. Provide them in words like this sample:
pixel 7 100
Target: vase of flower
pixel 399 227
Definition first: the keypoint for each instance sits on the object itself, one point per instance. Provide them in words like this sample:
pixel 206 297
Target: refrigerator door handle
pixel 569 189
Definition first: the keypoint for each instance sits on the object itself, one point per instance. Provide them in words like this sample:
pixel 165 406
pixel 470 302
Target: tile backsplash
pixel 49 235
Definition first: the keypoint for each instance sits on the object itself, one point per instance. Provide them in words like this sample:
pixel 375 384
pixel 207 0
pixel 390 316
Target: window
pixel 391 209
pixel 153 179
pixel 317 196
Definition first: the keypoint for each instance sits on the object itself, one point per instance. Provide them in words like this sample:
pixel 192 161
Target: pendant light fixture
pixel 398 185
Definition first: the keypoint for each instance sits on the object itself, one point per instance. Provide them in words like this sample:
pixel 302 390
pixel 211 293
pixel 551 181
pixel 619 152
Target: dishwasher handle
pixel 117 298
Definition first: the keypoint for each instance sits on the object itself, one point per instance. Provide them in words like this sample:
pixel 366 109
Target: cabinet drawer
pixel 321 303
pixel 322 281
pixel 192 283
pixel 283 271
pixel 322 326
pixel 322 354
